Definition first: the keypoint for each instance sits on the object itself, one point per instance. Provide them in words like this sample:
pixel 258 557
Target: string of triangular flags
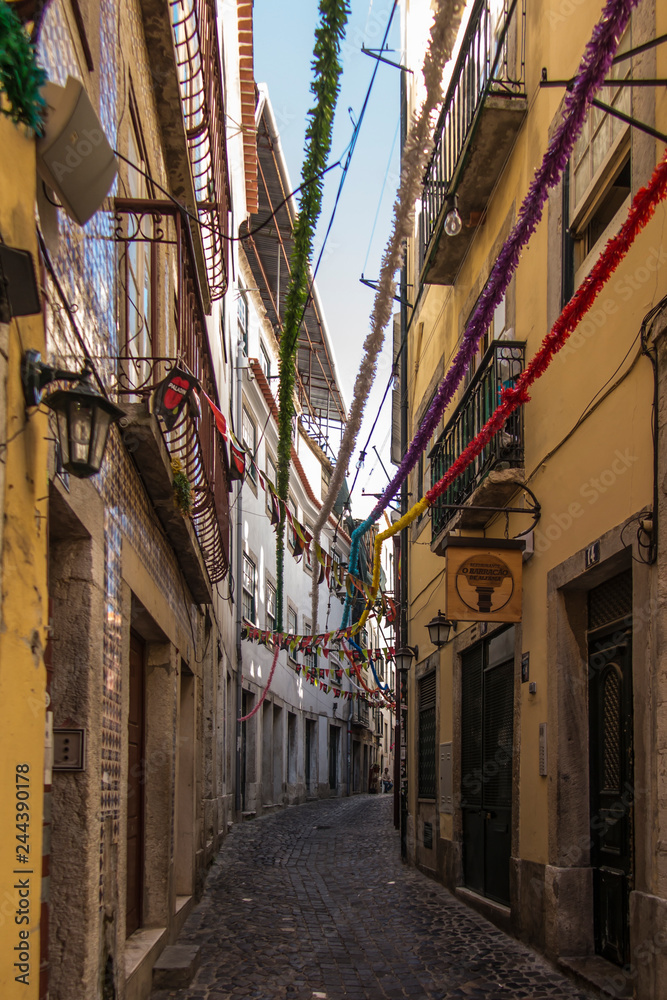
pixel 169 401
pixel 330 569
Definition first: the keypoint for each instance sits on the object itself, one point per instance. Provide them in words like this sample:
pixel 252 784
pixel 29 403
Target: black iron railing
pixel 500 367
pixel 154 241
pixel 491 61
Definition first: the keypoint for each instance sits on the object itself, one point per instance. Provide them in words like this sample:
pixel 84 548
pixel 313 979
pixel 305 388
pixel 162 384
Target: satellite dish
pixel 74 157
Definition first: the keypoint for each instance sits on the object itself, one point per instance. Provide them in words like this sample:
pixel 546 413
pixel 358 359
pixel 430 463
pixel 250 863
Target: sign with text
pixel 483 579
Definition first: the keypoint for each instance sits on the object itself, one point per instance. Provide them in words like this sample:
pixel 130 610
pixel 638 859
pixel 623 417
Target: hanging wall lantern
pixel 84 415
pixel 439 629
pixel 404 657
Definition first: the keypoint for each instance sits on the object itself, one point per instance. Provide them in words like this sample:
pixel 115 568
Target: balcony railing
pixel 491 61
pixel 162 322
pixel 200 81
pixel 501 366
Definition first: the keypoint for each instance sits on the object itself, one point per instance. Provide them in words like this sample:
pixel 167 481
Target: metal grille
pixel 611 601
pixel 611 736
pixel 498 727
pixel 471 735
pixel 428 836
pixel 427 777
pixel 499 369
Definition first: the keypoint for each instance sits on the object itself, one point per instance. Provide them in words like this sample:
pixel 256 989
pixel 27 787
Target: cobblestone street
pixel 314 902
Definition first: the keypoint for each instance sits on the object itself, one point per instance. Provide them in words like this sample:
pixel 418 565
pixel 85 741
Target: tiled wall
pixel 85 265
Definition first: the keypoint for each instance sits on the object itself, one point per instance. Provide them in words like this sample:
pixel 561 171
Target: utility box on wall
pixel 446 789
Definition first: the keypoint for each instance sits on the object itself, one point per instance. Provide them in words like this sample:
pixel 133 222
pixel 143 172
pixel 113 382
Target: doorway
pixel 610 759
pixel 135 790
pixel 334 750
pixel 310 751
pixel 185 794
pixel 486 765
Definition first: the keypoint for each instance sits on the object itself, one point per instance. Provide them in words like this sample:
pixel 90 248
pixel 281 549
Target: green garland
pixel 20 77
pixel 325 87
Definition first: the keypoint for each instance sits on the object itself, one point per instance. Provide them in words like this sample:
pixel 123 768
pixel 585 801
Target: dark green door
pixel 486 765
pixel 610 760
pixel 610 704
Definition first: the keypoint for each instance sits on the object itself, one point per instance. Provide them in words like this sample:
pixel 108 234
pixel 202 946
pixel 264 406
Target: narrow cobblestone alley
pixel 314 902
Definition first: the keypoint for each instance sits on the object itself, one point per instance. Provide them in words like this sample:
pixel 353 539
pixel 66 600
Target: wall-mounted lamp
pixel 439 629
pixel 84 415
pixel 453 223
pixel 405 656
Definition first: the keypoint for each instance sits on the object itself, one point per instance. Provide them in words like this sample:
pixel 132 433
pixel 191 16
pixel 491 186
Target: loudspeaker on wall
pixel 74 157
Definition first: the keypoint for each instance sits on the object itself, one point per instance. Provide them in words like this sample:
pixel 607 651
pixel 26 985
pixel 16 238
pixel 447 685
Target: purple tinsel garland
pixel 596 61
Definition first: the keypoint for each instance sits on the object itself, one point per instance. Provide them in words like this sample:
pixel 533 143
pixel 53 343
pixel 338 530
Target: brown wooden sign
pixel 483 579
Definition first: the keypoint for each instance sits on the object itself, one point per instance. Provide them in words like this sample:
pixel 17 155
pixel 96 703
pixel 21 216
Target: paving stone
pixel 315 899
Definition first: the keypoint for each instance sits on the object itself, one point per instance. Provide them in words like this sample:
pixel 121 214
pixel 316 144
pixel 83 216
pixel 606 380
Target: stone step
pixel 176 966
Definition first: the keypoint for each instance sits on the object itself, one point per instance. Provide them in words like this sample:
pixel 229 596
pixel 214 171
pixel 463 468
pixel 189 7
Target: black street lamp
pixel 84 415
pixel 405 656
pixel 439 629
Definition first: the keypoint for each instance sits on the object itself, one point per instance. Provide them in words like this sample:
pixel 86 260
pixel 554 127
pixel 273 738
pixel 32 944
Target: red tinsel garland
pixel 641 211
pixel 244 718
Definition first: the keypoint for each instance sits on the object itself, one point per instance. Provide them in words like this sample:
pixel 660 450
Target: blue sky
pixel 284 36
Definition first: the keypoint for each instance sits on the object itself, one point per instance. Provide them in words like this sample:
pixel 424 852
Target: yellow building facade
pixel 23 601
pixel 535 751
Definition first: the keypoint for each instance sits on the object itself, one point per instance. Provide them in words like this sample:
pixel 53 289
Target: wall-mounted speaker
pixel 74 157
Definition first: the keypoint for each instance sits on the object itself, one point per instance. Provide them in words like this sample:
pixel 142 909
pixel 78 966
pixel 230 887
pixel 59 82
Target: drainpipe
pixel 238 804
pixel 399 792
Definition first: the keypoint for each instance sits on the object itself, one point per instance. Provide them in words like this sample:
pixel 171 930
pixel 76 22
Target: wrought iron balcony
pixel 162 321
pixel 500 367
pixel 480 118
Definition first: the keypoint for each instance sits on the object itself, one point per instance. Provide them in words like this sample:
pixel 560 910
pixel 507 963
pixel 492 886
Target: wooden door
pixel 135 786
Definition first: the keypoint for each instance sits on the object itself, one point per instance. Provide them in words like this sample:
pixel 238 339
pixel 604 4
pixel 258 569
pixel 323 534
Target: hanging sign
pixel 483 579
pixel 172 394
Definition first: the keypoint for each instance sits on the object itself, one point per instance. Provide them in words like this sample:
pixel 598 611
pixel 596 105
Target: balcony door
pixel 486 765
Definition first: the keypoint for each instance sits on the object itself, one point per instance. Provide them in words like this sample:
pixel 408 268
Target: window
pixel 248 598
pixel 291 628
pixel 308 557
pixel 243 318
pixel 309 659
pixel 249 436
pixel 599 180
pixel 271 474
pixel 291 534
pixel 137 269
pixel 265 362
pixel 271 607
pixel 420 477
pixel 497 330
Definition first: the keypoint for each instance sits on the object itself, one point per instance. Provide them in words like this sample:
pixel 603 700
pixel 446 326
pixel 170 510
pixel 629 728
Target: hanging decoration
pixel 595 63
pixel 325 87
pixel 329 679
pixel 641 211
pixel 172 394
pixel 21 79
pixel 414 158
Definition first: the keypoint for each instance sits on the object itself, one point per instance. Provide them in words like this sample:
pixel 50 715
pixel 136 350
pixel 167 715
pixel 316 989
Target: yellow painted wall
pixel 602 473
pixel 23 609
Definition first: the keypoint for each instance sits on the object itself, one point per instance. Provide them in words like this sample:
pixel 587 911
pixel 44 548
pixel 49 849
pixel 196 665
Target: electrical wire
pixel 205 225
